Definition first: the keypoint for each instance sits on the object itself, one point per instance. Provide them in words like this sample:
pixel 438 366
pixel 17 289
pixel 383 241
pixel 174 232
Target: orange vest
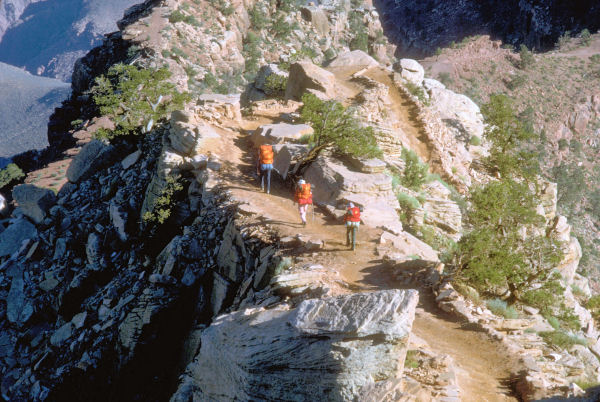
pixel 353 215
pixel 303 194
pixel 266 154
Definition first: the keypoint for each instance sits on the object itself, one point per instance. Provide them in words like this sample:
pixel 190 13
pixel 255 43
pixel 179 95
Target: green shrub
pixel 475 140
pixel 527 58
pixel 336 128
pixel 415 172
pixel 408 202
pixel 562 340
pixel 275 85
pixel 258 16
pixel 585 36
pixel 411 360
pixel 76 123
pixel 329 54
pixel 285 263
pixel 135 99
pixel 564 40
pixel 417 91
pixel 280 27
pixel 516 82
pixel 178 16
pixel 9 174
pixel 360 40
pixel 563 144
pixel 584 384
pixel 499 307
pixel 164 203
pixel 553 321
pixel 593 304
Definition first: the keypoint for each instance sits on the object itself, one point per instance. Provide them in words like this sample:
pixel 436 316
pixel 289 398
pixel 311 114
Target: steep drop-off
pixel 47 37
pixel 420 27
pixel 26 103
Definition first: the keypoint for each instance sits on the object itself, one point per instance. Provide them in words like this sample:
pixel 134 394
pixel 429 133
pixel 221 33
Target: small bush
pixel 583 384
pixel 415 172
pixel 417 90
pixel 516 82
pixel 475 140
pixel 553 321
pixel 499 307
pixel 564 40
pixel 527 58
pixel 284 264
pixel 562 340
pixel 586 37
pixel 275 85
pixel 258 17
pixel 164 203
pixel 408 202
pixel 411 360
pixel 10 173
pixel 593 304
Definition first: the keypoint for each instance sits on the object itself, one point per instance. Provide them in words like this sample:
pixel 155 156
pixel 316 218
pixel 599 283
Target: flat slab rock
pixel 325 349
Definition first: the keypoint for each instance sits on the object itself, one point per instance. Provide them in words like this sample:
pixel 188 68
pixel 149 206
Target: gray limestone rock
pixel 307 76
pixel 331 349
pixel 14 235
pixel 317 17
pixel 355 58
pixel 94 156
pixel 18 308
pixel 62 334
pixel 34 201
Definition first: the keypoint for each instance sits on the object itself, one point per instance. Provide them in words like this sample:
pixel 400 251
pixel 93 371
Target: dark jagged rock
pixel 419 28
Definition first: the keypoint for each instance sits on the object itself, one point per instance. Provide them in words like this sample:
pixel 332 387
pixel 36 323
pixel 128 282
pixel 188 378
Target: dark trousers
pixel 265 173
pixel 351 236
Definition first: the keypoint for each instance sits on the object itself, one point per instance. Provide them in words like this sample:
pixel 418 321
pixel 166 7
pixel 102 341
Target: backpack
pixel 266 154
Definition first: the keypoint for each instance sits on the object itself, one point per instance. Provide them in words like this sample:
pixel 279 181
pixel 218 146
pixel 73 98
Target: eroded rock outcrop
pixel 333 348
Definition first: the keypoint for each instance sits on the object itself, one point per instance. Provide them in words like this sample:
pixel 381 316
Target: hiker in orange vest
pixel 303 197
pixel 265 165
pixel 352 219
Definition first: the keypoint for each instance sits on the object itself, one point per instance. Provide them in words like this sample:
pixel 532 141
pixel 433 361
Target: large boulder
pixel 460 114
pixel 266 71
pixel 306 76
pixel 285 155
pixel 187 135
pixel 14 235
pixel 333 349
pixel 34 201
pixel 410 70
pixel 280 132
pixel 335 184
pixel 355 58
pixel 215 106
pixel 408 246
pixel 95 155
pixel 317 17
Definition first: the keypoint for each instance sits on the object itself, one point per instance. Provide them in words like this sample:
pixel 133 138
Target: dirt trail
pixel 483 369
pixel 405 114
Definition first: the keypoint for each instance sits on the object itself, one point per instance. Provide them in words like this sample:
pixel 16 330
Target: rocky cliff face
pixel 419 28
pixel 231 297
pixel 47 40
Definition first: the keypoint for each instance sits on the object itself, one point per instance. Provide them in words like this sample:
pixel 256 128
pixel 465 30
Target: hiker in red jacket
pixel 303 196
pixel 352 219
pixel 265 165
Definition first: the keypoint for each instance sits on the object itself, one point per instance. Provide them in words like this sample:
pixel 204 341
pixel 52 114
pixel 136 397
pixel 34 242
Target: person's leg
pixel 348 232
pixel 302 209
pixel 269 181
pixel 262 179
pixel 354 230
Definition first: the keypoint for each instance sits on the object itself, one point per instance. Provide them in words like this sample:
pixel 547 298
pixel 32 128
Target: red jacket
pixel 353 215
pixel 303 194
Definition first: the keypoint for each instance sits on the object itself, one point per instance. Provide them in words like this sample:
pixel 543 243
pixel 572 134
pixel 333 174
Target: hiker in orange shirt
pixel 303 197
pixel 352 220
pixel 265 165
